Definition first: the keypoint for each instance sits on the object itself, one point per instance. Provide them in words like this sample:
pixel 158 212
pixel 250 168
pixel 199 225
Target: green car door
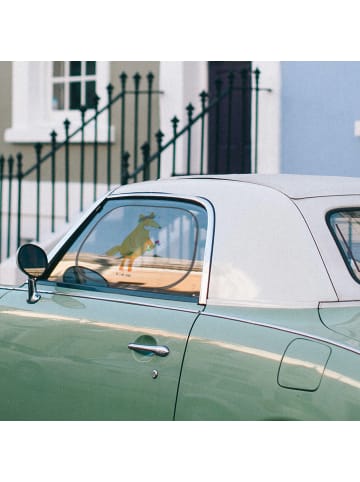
pixel 107 338
pixel 67 357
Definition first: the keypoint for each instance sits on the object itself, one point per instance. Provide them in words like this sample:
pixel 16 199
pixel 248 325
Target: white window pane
pixel 58 97
pixel 58 69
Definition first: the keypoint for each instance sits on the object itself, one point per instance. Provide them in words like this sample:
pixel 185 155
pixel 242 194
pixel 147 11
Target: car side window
pixel 154 245
pixel 345 227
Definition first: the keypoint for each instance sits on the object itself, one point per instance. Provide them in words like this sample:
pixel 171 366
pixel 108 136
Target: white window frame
pixel 33 118
pixel 66 80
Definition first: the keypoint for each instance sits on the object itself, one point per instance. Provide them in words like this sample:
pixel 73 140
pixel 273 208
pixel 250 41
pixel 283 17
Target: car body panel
pixel 343 318
pixel 273 335
pixel 67 357
pixel 252 370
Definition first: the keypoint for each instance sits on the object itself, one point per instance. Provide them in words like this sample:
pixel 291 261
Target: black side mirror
pixel 32 261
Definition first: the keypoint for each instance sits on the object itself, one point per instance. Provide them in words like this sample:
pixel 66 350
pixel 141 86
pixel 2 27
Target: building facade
pixel 291 117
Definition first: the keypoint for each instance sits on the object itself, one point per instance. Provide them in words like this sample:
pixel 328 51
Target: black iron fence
pixel 131 172
pixel 52 205
pixel 59 165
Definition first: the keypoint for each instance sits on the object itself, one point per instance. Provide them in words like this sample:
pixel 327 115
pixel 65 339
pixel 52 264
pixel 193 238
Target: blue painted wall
pixel 319 106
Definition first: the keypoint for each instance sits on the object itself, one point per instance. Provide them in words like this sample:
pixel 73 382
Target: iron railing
pixel 224 93
pixel 61 158
pixel 144 163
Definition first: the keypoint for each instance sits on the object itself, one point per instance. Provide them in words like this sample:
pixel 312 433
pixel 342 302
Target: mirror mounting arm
pixel 33 295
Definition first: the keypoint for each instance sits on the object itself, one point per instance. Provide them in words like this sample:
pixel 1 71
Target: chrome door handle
pixel 155 349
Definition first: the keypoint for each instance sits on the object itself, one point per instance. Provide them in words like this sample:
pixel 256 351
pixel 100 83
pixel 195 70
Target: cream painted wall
pixel 27 148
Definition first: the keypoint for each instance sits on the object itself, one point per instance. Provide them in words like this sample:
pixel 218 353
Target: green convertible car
pixel 198 298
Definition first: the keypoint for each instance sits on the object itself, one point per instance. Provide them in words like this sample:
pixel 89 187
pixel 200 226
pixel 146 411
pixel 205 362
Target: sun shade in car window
pixel 139 245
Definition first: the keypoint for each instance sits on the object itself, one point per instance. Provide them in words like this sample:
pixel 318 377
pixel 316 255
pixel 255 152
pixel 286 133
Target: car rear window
pixel 344 225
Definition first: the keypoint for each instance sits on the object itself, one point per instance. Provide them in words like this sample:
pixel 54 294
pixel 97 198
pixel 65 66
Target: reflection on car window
pixel 155 245
pixel 345 227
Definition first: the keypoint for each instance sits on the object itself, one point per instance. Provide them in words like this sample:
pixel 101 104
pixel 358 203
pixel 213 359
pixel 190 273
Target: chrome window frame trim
pixel 114 300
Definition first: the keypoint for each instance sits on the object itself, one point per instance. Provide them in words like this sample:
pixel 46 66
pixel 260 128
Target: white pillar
pixel 269 120
pixel 181 83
